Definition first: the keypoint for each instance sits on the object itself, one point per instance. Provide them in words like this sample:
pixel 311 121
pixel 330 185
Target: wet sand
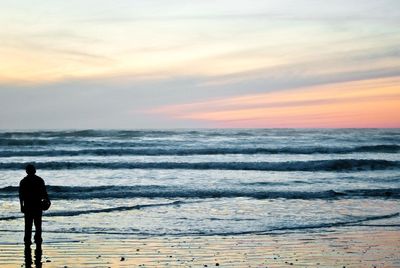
pixel 343 247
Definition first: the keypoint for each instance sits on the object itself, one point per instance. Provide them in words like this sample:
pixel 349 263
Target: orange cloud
pixel 369 103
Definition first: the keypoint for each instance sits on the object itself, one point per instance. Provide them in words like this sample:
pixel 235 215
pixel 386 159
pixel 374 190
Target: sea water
pixel 205 182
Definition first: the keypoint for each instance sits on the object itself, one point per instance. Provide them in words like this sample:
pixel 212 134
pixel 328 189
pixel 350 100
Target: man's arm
pixel 21 198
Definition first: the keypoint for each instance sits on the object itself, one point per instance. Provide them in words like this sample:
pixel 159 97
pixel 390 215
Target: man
pixel 32 191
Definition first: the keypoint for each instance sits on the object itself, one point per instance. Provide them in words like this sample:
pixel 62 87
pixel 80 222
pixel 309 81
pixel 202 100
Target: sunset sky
pixel 190 63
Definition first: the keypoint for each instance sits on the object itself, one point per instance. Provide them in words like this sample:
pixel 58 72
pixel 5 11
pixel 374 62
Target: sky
pixel 130 64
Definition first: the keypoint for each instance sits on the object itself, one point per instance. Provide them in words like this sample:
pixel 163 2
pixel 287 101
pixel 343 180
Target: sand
pixel 342 247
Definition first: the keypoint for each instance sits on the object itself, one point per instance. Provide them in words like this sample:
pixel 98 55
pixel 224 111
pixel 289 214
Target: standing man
pixel 32 191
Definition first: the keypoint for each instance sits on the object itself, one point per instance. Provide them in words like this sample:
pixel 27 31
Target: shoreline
pixel 338 247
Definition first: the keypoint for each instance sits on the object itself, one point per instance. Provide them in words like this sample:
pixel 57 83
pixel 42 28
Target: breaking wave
pixel 352 221
pixel 103 210
pixel 156 191
pixel 120 150
pixel 316 165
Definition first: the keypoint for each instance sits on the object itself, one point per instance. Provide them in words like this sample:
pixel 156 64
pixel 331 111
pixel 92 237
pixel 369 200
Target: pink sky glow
pixel 371 103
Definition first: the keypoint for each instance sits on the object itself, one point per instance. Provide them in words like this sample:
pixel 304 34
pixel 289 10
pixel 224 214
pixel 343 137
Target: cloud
pixel 247 17
pixel 369 103
pixel 64 66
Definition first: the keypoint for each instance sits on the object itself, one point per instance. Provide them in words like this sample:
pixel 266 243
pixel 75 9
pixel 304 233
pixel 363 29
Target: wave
pixel 353 221
pixel 100 133
pixel 91 133
pixel 46 142
pixel 26 142
pixel 104 210
pixel 316 165
pixel 381 148
pixel 156 191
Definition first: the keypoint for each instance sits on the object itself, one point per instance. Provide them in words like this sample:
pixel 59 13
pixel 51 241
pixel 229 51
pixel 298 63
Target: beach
pixel 340 247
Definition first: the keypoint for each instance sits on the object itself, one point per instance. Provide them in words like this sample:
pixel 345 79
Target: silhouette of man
pixel 32 191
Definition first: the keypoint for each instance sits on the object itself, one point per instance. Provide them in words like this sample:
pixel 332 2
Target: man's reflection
pixel 28 257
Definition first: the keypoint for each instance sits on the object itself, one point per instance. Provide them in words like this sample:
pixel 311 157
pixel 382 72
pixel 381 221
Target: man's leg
pixel 28 228
pixel 38 227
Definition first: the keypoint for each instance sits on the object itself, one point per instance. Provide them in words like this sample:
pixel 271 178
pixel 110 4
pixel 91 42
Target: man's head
pixel 30 169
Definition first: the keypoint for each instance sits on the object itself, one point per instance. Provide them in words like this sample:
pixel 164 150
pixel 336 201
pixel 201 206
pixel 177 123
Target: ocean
pixel 205 182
